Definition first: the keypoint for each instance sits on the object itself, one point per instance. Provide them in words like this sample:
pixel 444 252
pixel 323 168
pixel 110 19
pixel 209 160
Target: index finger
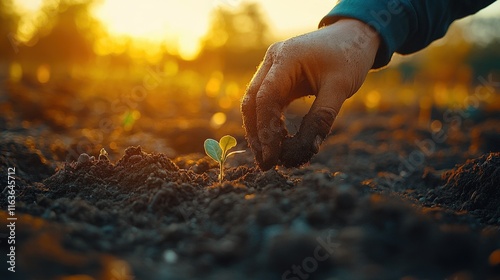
pixel 271 99
pixel 249 106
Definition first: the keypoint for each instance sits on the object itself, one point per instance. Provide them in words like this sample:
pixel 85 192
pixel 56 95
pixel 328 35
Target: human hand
pixel 330 63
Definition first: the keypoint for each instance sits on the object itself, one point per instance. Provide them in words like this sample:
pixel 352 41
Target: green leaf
pixel 213 149
pixel 226 142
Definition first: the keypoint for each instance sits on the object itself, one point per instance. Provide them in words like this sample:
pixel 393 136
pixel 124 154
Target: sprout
pixel 218 151
pixel 103 154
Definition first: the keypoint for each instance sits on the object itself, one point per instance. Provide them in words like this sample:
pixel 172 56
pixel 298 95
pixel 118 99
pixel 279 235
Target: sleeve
pixel 405 26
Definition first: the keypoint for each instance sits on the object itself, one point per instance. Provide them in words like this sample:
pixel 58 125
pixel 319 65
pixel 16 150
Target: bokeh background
pixel 83 75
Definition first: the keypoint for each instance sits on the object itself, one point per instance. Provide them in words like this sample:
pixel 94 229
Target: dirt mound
pixel 475 186
pixel 23 155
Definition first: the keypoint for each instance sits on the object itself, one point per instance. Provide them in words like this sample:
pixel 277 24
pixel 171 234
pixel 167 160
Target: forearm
pixel 405 26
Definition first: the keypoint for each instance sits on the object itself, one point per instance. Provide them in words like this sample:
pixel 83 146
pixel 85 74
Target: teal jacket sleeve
pixel 405 26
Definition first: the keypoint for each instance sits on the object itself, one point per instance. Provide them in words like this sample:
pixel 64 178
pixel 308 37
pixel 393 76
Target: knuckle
pixel 274 47
pixel 326 118
pixel 272 51
pixel 320 121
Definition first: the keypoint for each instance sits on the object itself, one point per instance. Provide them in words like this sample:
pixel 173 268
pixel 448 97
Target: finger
pixel 315 126
pixel 301 89
pixel 271 98
pixel 249 105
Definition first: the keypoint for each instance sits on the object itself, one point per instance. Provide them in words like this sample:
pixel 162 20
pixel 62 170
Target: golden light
pixel 32 18
pixel 441 94
pixel 213 85
pixel 106 45
pixel 189 46
pixel 43 73
pixel 171 68
pixel 15 72
pixel 233 90
pixel 129 118
pixel 180 24
pixel 372 99
pixel 225 102
pixel 407 96
pixel 113 145
pixel 29 6
pixel 133 18
pixel 249 196
pixel 460 92
pixel 217 120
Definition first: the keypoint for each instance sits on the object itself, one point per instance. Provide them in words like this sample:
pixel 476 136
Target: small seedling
pixel 103 154
pixel 218 151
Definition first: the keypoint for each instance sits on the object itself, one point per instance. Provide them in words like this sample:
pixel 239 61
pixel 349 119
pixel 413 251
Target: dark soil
pixel 381 200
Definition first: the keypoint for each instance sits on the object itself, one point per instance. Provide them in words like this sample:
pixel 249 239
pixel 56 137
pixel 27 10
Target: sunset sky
pixel 191 17
pixel 185 22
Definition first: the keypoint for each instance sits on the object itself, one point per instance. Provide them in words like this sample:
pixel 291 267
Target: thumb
pixel 316 125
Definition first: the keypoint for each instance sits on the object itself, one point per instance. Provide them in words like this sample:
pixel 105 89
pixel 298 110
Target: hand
pixel 330 63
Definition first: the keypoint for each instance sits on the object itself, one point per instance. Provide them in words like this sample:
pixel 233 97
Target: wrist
pixel 361 35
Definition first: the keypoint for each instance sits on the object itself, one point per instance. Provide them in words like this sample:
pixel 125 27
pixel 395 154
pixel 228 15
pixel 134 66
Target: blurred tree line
pixel 8 25
pixel 467 52
pixel 484 57
pixel 66 34
pixel 236 40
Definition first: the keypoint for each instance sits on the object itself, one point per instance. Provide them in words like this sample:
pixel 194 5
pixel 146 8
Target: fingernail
pixel 317 143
